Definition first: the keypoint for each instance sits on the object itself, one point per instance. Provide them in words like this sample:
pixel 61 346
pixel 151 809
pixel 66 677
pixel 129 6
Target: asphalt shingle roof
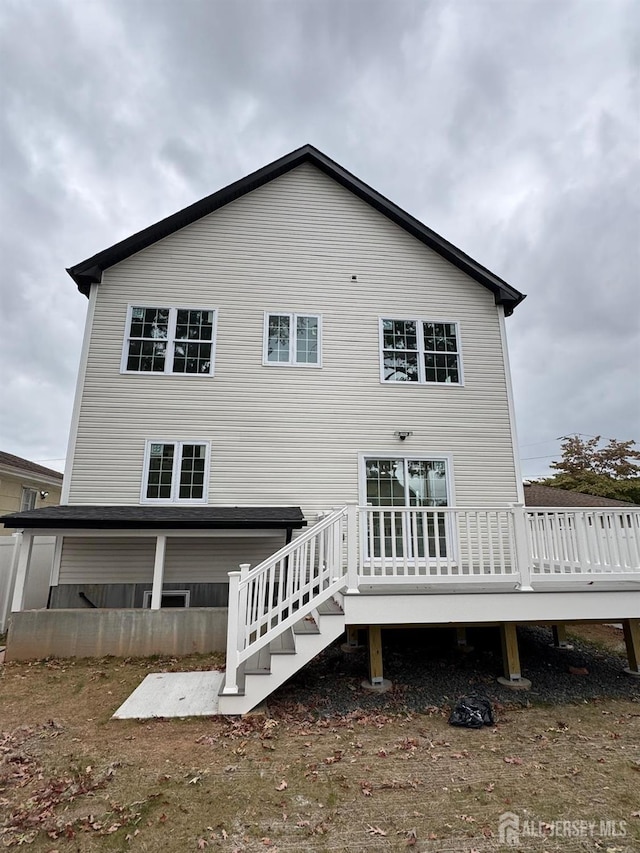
pixel 158 517
pixel 30 467
pixel 535 494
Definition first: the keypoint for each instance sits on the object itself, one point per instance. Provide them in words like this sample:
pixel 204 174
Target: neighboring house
pixel 295 351
pixel 25 486
pixel 536 494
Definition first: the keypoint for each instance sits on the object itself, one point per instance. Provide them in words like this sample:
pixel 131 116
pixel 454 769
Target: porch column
pixel 632 641
pixel 22 571
pixel 158 572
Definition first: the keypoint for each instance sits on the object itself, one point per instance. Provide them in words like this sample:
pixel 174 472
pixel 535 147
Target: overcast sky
pixel 511 127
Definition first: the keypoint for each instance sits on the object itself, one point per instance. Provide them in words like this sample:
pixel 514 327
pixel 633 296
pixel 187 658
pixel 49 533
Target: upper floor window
pixel 176 471
pixel 28 500
pixel 292 339
pixel 169 340
pixel 423 351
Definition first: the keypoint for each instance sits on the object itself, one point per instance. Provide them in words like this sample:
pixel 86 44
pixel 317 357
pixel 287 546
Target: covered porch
pixel 134 580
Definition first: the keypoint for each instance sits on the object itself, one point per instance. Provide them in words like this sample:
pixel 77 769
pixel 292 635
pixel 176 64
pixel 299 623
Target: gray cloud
pixel 510 128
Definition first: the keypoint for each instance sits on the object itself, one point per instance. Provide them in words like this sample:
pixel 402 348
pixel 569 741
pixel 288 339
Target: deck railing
pixel 579 541
pixel 355 546
pixel 433 543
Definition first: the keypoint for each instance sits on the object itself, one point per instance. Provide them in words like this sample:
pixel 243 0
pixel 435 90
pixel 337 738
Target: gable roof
pixel 90 271
pixel 10 461
pixel 535 494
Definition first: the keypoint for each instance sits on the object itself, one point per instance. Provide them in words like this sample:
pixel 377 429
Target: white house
pixel 296 376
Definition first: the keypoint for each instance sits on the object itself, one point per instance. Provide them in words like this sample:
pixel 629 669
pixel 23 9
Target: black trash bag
pixel 472 712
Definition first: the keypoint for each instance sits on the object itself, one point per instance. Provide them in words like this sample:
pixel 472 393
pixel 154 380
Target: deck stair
pixel 275 663
pixel 284 612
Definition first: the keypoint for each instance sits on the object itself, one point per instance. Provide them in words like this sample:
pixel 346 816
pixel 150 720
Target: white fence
pixel 37 590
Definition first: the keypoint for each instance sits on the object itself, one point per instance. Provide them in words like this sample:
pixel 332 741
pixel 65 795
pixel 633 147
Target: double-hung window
pixel 169 340
pixel 292 339
pixel 28 500
pixel 423 351
pixel 176 472
pixel 417 485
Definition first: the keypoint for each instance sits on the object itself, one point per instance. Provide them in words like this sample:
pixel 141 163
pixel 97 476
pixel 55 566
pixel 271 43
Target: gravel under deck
pixel 428 670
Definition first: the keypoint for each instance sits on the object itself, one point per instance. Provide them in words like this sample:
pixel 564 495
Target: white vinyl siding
pixel 292 437
pixel 130 560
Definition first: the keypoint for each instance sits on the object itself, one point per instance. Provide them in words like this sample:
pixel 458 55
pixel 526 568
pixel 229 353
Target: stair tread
pixel 284 644
pixel 308 625
pixel 329 607
pixel 259 663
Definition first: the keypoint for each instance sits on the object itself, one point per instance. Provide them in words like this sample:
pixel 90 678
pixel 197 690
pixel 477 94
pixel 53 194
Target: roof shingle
pixel 158 517
pixel 30 467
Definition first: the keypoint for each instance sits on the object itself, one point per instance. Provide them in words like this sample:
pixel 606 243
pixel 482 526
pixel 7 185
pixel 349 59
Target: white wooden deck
pixel 434 566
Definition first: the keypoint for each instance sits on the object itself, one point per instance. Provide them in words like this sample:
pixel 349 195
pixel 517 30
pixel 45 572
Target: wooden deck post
pixel 462 643
pixel 511 658
pixel 510 651
pixel 631 629
pixel 352 636
pixel 560 636
pixel 375 655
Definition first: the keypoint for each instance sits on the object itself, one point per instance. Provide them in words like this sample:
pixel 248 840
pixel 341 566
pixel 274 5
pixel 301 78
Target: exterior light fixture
pixel 403 434
pixel 44 494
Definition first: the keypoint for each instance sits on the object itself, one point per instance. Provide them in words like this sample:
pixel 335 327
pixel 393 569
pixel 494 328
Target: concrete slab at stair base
pixel 257 686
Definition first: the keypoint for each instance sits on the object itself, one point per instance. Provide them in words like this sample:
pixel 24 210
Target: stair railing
pixel 274 595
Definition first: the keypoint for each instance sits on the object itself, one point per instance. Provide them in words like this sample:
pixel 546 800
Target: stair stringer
pixel 258 686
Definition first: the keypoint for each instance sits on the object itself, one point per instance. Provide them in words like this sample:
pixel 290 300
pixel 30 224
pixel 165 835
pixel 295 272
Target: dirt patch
pixel 72 779
pixel 608 637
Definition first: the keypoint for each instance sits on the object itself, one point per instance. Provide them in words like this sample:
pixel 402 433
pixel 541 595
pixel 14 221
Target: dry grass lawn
pixel 72 779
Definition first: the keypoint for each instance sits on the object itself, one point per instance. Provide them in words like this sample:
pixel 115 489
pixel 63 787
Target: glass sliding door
pixel 404 482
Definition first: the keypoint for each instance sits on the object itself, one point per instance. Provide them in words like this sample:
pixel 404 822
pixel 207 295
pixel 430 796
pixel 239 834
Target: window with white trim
pixel 169 340
pixel 176 472
pixel 423 351
pixel 405 482
pixel 170 598
pixel 28 500
pixel 292 339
